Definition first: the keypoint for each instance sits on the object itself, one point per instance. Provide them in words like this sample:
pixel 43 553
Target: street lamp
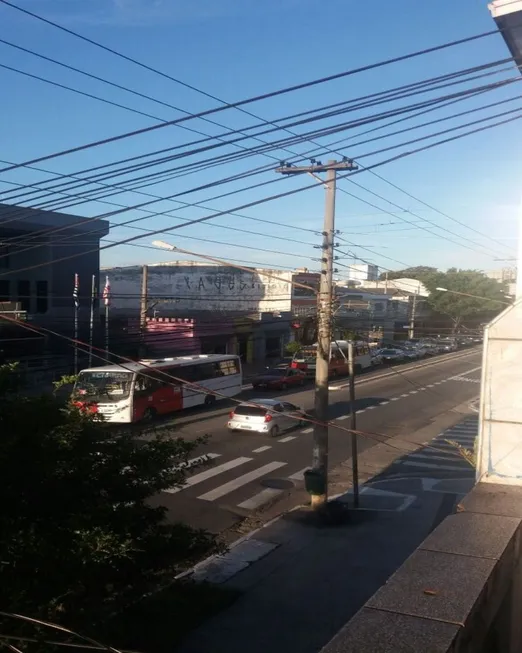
pixel 465 294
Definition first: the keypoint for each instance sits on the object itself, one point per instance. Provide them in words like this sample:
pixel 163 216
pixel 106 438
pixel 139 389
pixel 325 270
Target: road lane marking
pixel 384 403
pixel 405 394
pixel 307 430
pixel 209 473
pixel 342 417
pixel 413 392
pixel 261 449
pixel 457 376
pixel 199 459
pixel 260 499
pixel 421 389
pixel 449 468
pixel 412 367
pixel 395 399
pixel 288 438
pixel 238 482
pixel 299 476
pixel 370 408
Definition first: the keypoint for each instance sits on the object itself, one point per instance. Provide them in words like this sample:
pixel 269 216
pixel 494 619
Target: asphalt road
pixel 249 471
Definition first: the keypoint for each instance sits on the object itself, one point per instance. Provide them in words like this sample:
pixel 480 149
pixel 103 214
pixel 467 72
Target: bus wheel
pixel 149 415
pixel 210 400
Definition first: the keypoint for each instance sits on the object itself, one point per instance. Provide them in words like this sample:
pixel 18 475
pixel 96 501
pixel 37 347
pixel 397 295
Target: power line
pixel 280 195
pixel 240 103
pixel 244 174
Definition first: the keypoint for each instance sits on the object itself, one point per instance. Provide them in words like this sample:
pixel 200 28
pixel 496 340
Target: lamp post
pixel 466 294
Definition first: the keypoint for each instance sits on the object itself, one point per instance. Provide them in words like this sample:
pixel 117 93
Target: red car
pixel 279 379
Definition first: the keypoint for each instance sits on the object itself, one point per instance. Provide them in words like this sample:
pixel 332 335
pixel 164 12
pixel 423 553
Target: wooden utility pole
pixel 144 297
pixel 317 478
pixel 411 329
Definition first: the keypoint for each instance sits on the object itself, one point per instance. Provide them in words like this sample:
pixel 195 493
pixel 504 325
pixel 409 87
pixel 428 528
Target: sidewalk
pixel 301 582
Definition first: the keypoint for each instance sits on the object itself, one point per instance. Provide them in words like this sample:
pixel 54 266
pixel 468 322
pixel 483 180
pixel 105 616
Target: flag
pixel 107 292
pixel 76 291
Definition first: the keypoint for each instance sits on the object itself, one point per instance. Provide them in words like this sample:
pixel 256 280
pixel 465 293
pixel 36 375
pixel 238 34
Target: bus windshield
pixel 103 386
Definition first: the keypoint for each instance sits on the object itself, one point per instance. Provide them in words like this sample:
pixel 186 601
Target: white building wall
pixel 362 272
pixel 186 286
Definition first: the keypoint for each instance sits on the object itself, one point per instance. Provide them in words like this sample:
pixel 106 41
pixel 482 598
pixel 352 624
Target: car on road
pixel 268 416
pixel 277 378
pixel 392 355
pixel 376 357
pixel 447 346
pixel 412 353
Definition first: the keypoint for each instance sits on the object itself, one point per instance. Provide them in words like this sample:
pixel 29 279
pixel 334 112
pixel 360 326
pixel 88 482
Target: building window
pixel 4 291
pixel 24 294
pixel 4 256
pixel 42 301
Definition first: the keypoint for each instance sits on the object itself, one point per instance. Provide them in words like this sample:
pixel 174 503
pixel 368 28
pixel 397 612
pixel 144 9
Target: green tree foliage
pixel 420 272
pixel 293 347
pixel 79 535
pixel 489 295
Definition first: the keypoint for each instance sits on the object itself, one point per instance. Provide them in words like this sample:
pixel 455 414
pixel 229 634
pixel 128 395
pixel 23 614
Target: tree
pixel 293 347
pixel 488 295
pixel 420 272
pixel 78 534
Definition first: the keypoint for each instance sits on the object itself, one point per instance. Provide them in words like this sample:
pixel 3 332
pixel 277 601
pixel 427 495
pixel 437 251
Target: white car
pixel 268 416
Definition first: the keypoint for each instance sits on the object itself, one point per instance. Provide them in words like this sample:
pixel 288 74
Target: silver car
pixel 268 416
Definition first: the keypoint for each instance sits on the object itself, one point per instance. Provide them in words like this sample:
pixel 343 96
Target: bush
pixel 79 538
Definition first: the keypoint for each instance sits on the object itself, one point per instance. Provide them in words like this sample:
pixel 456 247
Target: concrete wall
pixel 186 287
pixel 459 592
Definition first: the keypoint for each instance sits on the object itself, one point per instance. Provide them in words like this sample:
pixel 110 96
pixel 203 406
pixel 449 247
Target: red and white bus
pixel 133 392
pixel 338 365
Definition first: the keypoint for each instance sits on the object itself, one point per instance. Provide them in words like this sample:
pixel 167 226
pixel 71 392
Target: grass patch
pixel 158 623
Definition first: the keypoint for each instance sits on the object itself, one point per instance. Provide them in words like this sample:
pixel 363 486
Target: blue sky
pixel 235 49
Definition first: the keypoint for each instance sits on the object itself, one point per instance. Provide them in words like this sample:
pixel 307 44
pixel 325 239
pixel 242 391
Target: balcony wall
pixel 460 591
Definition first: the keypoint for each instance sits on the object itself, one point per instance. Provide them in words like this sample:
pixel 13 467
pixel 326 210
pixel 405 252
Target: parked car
pixel 447 346
pixel 376 357
pixel 392 355
pixel 411 353
pixel 266 416
pixel 279 378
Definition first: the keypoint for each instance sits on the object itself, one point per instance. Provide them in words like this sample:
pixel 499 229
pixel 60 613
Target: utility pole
pixel 144 305
pixel 353 427
pixel 144 297
pixel 317 478
pixel 411 330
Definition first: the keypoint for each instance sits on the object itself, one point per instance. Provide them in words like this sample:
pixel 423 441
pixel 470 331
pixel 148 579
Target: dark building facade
pixel 40 252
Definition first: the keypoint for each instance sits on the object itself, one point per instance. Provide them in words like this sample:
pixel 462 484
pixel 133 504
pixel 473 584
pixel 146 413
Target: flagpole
pixel 76 307
pixel 107 302
pixel 91 321
pixel 107 331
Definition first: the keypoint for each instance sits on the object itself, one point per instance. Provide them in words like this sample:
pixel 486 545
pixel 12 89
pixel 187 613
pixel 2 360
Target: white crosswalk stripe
pixel 261 449
pixel 210 473
pixel 260 499
pixel 299 476
pixel 199 459
pixel 288 438
pixel 238 482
